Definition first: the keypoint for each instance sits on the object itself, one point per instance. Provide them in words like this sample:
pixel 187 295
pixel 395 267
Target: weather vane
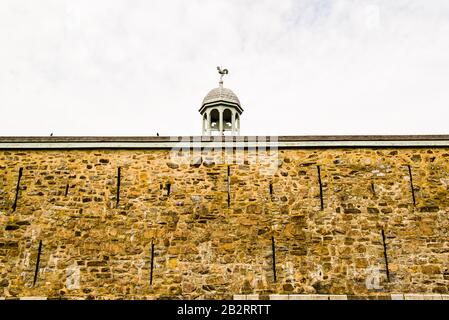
pixel 222 72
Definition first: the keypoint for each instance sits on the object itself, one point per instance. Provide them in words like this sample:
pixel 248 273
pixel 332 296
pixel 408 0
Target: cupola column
pixel 237 124
pixel 233 122
pixel 204 123
pixel 209 124
pixel 221 121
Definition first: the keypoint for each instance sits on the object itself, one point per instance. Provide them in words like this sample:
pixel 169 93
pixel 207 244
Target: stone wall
pixel 210 240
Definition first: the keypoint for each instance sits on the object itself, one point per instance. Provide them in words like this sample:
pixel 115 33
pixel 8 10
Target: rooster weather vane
pixel 222 72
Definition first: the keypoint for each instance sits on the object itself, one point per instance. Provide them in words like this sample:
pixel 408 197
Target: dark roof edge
pixel 149 139
pixel 220 103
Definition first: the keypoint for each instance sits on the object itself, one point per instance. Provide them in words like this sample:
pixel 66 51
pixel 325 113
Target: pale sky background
pixel 299 67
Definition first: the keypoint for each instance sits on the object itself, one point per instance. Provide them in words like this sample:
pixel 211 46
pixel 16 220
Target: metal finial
pixel 222 72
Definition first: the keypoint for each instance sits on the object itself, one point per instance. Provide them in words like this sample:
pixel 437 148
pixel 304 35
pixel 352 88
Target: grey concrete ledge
pixel 392 296
pixel 189 142
pixel 388 296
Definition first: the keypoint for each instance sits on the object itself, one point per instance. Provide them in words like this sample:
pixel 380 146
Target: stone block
pixel 279 297
pixel 308 297
pixel 424 296
pixel 319 297
pixel 239 296
pixel 338 297
pixel 413 296
pixel 397 296
pixel 252 297
pixel 298 297
pixel 433 296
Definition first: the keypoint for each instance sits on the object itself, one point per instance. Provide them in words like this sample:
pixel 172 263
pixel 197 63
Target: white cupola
pixel 221 110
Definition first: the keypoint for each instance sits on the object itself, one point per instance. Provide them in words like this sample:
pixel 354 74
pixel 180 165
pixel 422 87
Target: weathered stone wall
pixel 206 246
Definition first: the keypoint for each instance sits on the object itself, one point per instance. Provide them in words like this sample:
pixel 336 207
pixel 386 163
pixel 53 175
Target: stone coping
pixel 128 142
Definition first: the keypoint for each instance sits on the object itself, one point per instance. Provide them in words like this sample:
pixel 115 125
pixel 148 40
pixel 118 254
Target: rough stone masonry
pixel 116 222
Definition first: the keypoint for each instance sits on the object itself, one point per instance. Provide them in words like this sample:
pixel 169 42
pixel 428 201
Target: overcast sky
pixel 299 67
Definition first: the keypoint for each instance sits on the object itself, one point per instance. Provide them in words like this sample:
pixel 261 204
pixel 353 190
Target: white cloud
pixel 299 67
